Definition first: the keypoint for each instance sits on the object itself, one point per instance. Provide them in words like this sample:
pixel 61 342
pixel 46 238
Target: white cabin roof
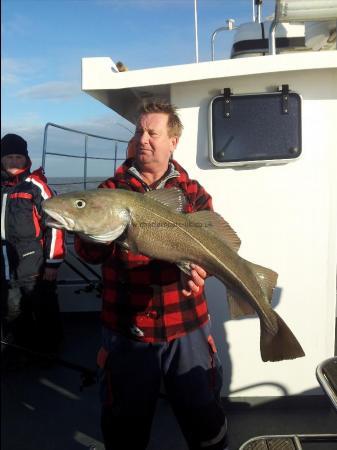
pixel 123 91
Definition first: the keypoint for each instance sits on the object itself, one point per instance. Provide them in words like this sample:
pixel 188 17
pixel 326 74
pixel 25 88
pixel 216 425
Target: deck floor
pixel 44 409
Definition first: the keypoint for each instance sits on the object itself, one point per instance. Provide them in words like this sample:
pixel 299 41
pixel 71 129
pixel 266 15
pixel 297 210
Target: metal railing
pixel 229 27
pixel 85 156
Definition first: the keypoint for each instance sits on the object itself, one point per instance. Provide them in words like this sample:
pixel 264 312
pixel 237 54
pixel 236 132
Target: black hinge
pixel 227 102
pixel 285 98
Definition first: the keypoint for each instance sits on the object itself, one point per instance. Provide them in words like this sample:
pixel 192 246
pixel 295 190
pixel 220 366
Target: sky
pixel 43 42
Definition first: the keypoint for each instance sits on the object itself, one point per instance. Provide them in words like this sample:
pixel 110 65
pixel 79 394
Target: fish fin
pixel 218 226
pixel 267 278
pixel 185 267
pixel 238 305
pixel 281 345
pixel 172 198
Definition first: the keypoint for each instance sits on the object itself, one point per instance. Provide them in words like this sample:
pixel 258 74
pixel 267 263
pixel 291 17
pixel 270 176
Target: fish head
pixel 96 213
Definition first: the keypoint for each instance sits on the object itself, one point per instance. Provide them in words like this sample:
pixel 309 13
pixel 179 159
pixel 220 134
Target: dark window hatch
pixel 255 128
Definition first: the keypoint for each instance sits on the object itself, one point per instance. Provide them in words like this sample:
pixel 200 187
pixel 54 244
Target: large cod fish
pixel 153 224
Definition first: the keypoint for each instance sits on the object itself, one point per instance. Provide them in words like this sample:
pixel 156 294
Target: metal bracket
pixel 227 102
pixel 285 98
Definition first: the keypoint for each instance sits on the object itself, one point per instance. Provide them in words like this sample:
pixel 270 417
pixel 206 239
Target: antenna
pixel 196 31
pixel 257 12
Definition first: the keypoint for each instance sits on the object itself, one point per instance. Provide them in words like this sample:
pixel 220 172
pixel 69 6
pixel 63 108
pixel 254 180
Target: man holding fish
pixel 155 318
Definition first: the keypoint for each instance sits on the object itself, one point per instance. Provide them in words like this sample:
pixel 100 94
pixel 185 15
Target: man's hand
pixel 192 284
pixel 50 274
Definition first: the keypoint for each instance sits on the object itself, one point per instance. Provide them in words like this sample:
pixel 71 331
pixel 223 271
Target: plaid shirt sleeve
pixel 202 200
pixel 108 184
pixel 198 198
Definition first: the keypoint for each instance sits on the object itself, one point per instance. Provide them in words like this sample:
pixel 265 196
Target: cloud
pixel 17 25
pixel 143 3
pixel 51 90
pixel 16 70
pixel 107 125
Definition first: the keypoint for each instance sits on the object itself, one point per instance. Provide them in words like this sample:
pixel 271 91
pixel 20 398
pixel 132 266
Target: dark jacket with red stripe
pixel 27 244
pixel 141 296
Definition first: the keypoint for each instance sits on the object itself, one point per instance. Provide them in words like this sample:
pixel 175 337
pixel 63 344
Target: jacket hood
pixel 39 174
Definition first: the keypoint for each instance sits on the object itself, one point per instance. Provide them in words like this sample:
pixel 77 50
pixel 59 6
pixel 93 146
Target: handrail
pixel 230 26
pixel 85 155
pixel 324 371
pixel 272 31
pixel 76 156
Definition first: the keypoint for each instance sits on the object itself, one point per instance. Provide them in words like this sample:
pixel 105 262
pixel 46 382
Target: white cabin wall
pixel 286 217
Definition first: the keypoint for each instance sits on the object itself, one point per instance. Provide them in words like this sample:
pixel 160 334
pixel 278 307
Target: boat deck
pixel 43 408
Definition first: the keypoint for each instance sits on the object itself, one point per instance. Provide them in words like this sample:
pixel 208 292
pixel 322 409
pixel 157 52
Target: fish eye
pixel 79 203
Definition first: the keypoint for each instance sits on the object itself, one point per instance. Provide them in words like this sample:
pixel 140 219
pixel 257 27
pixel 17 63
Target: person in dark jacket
pixel 155 319
pixel 31 253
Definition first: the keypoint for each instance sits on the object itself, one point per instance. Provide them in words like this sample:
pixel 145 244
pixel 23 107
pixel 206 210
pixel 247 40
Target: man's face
pixel 13 162
pixel 153 144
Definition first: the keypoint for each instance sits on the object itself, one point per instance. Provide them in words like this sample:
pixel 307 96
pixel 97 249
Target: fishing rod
pixel 88 376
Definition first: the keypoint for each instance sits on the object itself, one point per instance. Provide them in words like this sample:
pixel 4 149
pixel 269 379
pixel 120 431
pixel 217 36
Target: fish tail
pixel 280 345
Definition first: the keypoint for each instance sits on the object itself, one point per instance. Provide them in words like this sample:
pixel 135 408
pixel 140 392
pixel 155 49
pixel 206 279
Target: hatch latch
pixel 285 98
pixel 227 102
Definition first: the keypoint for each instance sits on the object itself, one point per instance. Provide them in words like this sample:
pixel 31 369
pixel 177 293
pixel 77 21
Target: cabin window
pixel 255 129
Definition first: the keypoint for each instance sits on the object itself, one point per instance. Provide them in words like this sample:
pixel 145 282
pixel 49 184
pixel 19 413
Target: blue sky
pixel 43 42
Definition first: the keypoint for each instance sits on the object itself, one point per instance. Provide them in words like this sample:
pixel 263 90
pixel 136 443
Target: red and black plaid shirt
pixel 141 296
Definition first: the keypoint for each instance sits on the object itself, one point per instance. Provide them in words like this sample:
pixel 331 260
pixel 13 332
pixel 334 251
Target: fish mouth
pixel 57 220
